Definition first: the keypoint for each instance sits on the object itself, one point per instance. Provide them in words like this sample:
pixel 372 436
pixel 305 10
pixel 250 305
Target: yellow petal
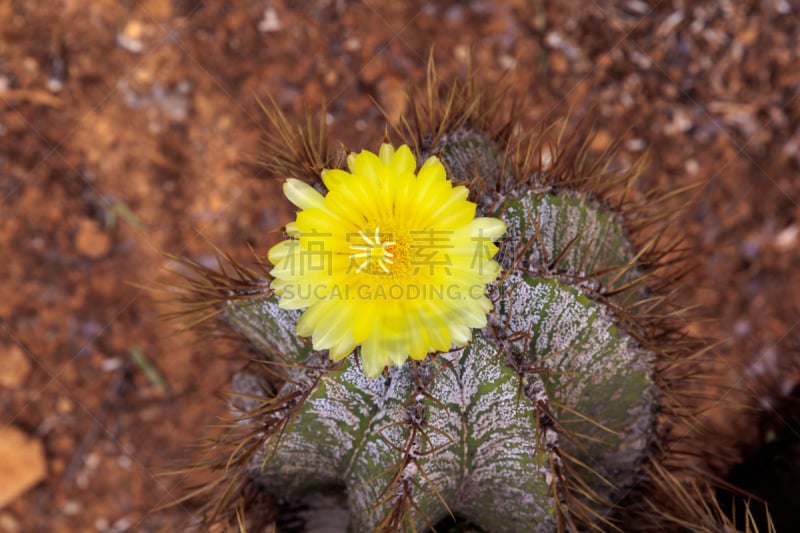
pixel 335 178
pixel 365 164
pixel 342 350
pixel 461 334
pixel 488 228
pixel 302 194
pixel 403 161
pixel 294 295
pixel 372 359
pixel 364 321
pixel 456 215
pixel 332 331
pixel 292 230
pixel 278 255
pixel 432 161
pixel 385 153
pixel 438 249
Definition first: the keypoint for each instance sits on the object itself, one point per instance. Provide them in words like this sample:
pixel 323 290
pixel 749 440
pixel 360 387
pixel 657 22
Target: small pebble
pixel 601 141
pixel 91 241
pixel 14 366
pixel 64 405
pixel 22 463
pixel 5 82
pixel 71 508
pixel 111 364
pixel 787 238
pixel 507 62
pixel 270 22
pixel 352 44
pixel 9 524
pixel 636 145
pixel 130 37
pixel 392 97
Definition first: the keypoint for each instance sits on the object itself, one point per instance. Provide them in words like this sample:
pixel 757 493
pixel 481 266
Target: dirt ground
pixel 131 128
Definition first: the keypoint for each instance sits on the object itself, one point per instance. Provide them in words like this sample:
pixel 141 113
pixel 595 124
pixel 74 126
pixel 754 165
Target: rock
pixel 130 37
pixel 558 62
pixel 22 463
pixel 601 141
pixel 393 98
pixel 91 241
pixel 372 70
pixel 9 524
pixel 270 21
pixel 14 366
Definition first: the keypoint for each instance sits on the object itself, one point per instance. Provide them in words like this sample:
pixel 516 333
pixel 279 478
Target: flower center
pixel 374 254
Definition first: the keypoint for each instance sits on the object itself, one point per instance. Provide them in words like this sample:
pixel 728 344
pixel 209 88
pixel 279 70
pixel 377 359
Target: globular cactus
pixel 552 417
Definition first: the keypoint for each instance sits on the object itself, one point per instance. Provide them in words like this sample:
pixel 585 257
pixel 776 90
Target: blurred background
pixel 131 128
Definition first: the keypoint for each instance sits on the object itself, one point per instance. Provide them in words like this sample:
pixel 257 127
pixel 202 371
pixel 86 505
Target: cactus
pixel 551 418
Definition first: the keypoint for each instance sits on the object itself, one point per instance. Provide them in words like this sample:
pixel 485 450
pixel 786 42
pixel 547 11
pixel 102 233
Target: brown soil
pixel 131 128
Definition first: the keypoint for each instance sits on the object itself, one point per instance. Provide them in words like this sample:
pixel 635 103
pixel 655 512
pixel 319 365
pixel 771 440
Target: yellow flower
pixel 390 260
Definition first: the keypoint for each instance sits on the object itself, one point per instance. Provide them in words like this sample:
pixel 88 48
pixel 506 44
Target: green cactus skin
pixel 541 423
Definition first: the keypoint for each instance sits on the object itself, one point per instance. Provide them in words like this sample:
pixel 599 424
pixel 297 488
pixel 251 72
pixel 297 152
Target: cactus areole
pixel 504 390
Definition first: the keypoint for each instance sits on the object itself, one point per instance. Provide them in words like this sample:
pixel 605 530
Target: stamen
pixel 373 250
pixel 366 239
